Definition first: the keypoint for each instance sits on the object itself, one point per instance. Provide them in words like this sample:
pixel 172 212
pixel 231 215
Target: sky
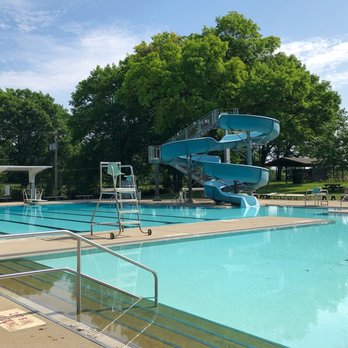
pixel 51 45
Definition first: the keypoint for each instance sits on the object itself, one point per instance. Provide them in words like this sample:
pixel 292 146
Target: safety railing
pixel 197 172
pixel 196 129
pixel 344 198
pixel 317 195
pixel 154 153
pixel 79 239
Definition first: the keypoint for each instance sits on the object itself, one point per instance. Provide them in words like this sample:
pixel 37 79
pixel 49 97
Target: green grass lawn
pixel 278 187
pixel 282 187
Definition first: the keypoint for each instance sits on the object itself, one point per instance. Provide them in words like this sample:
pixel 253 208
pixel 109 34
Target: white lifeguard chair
pixel 122 192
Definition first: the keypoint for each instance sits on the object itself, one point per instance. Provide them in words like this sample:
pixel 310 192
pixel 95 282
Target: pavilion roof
pixel 292 162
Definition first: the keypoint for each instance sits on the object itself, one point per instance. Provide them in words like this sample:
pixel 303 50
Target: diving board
pixel 33 196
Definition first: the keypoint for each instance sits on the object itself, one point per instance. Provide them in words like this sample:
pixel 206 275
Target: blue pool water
pixel 77 217
pixel 288 285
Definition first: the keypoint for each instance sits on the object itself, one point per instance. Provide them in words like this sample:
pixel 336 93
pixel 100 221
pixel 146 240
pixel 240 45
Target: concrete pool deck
pixel 51 334
pixel 30 246
pixel 42 333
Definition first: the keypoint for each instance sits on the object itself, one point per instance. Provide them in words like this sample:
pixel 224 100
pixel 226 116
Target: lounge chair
pixel 318 195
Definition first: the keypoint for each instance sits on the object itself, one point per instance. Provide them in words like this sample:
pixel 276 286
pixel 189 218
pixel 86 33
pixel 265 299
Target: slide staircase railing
pixel 79 239
pixel 196 129
pixel 199 127
pixel 197 173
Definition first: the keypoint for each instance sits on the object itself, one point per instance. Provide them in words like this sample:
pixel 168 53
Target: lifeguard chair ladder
pixel 123 194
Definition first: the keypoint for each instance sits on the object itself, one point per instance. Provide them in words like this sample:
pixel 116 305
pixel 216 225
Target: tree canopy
pixel 165 85
pixel 173 80
pixel 29 122
pixel 281 87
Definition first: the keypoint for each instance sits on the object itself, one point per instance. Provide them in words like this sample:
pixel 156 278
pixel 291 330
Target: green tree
pixel 330 148
pixel 243 38
pixel 281 87
pixel 29 122
pixel 175 80
pixel 102 128
pixel 149 87
pixel 171 81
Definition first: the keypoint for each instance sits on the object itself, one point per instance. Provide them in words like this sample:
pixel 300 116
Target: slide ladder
pixel 122 194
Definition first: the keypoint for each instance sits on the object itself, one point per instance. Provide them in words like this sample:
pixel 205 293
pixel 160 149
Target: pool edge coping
pixel 99 237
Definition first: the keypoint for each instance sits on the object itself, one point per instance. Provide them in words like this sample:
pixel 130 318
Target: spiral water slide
pixel 225 182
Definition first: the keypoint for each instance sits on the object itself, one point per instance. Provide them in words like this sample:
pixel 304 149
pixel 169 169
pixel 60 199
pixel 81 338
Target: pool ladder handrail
pixel 78 272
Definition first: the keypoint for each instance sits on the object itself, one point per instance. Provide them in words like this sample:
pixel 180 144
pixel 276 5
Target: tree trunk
pixel 279 173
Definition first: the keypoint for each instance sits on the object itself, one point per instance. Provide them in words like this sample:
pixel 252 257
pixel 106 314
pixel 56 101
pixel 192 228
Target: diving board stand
pixel 32 195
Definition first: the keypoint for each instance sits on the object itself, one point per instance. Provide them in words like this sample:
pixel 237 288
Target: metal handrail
pixel 78 272
pixel 195 129
pixel 198 127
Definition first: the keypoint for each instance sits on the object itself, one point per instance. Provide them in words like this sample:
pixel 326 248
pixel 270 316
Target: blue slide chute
pixel 226 182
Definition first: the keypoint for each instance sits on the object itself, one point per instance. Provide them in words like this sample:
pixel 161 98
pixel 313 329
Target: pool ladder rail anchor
pixel 123 191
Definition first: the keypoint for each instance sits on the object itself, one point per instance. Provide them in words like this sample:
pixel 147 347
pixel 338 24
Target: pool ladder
pixel 123 194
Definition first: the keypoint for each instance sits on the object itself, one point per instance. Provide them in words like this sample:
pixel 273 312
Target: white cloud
pixel 14 4
pixel 332 57
pixel 30 21
pixel 43 51
pixel 54 67
pixel 20 15
pixel 339 79
pixel 325 58
pixel 321 56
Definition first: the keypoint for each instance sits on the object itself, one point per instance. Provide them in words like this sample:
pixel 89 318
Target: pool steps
pixel 138 324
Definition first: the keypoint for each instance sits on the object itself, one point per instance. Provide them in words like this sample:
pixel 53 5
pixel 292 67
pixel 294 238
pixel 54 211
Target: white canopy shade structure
pixel 32 171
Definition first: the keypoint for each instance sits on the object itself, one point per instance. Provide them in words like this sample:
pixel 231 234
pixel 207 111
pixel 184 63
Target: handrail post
pixel 189 179
pixel 249 149
pixel 78 280
pixel 79 240
pixel 156 289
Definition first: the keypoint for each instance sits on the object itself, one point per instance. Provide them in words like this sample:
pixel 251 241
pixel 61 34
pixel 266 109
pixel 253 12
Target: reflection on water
pixel 76 217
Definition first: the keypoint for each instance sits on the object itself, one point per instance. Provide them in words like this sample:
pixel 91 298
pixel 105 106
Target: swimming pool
pixel 77 217
pixel 287 285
